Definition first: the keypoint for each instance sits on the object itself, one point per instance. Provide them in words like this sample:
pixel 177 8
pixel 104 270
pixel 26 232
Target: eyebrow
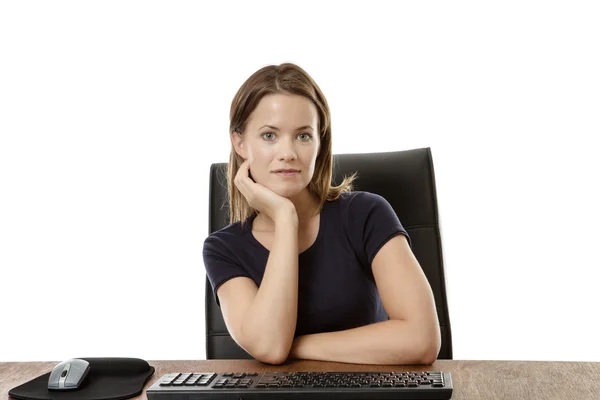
pixel 276 128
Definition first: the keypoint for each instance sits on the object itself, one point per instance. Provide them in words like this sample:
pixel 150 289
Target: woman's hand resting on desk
pixel 260 197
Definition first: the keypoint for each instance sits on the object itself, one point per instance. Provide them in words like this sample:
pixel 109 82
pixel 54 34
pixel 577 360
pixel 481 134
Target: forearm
pixel 392 342
pixel 270 322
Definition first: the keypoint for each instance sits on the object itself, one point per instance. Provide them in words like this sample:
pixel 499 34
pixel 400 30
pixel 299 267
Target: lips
pixel 286 173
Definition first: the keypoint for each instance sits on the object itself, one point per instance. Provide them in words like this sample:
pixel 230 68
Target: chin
pixel 287 192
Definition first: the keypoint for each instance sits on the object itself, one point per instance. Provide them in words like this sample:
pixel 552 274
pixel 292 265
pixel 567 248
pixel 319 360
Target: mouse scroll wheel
pixel 64 373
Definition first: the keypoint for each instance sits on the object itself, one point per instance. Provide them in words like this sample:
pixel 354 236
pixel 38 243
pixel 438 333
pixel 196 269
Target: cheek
pixel 268 158
pixel 260 156
pixel 260 151
pixel 264 152
pixel 260 167
pixel 310 157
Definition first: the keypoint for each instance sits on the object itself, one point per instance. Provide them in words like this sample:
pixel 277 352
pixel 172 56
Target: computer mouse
pixel 68 375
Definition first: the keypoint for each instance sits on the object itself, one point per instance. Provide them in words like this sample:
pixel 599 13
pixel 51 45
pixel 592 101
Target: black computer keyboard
pixel 433 385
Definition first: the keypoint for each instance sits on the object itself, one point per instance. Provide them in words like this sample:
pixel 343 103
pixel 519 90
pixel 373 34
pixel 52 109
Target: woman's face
pixel 281 133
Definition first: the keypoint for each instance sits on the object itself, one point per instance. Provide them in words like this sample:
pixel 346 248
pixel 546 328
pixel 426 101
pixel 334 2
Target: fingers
pixel 248 163
pixel 244 171
pixel 242 179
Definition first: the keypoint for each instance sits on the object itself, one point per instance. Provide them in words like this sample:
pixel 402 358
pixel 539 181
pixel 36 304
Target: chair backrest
pixel 406 180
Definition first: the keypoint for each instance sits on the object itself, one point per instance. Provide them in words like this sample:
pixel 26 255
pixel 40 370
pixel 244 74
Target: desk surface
pixel 471 379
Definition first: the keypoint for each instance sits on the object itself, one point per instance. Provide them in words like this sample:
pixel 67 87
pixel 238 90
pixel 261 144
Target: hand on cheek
pixel 250 161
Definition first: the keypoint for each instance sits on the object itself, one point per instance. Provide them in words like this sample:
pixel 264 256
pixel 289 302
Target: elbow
pixel 272 357
pixel 267 353
pixel 431 350
pixel 423 349
pixel 263 350
pixel 428 358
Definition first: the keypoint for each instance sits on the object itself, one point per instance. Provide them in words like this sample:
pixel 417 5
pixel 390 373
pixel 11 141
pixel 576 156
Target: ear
pixel 239 146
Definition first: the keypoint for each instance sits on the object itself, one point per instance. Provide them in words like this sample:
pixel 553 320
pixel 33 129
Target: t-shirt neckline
pixel 248 229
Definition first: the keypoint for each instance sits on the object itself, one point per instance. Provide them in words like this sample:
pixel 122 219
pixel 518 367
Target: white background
pixel 112 112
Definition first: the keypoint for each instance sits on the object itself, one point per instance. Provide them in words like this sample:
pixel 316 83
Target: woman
pixel 305 269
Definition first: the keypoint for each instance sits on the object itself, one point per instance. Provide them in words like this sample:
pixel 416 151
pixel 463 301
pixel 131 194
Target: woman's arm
pixel 391 342
pixel 263 322
pixel 411 336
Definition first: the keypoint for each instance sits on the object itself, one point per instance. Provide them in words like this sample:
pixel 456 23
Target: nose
pixel 287 151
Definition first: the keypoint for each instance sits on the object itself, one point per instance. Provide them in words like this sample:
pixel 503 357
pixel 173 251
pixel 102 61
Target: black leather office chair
pixel 406 180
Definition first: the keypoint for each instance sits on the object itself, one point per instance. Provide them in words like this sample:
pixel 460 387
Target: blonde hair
pixel 286 78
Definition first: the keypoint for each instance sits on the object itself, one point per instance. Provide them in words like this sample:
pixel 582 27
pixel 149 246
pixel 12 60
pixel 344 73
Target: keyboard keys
pixel 180 379
pixel 198 385
pixel 168 379
pixel 193 379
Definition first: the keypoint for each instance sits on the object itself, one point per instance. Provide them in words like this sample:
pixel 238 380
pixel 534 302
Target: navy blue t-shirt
pixel 336 287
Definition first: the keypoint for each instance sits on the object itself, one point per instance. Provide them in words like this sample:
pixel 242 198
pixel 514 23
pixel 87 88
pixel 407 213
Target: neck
pixel 306 207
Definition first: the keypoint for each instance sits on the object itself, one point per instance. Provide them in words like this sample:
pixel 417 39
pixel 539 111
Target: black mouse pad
pixel 108 379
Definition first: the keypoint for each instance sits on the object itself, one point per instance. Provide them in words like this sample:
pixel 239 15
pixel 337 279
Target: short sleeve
pixel 220 263
pixel 373 222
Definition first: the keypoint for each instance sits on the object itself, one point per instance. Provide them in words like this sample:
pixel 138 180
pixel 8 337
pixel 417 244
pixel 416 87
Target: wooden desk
pixel 479 380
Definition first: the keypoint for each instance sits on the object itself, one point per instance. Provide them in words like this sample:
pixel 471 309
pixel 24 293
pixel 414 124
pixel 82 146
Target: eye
pixel 307 135
pixel 268 133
